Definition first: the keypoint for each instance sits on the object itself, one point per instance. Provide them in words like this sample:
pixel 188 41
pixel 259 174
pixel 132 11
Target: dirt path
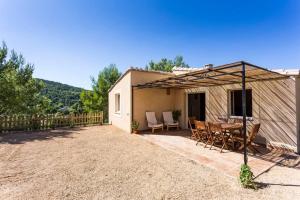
pixel 105 163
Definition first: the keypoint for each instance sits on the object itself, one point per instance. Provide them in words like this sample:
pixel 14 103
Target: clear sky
pixel 69 41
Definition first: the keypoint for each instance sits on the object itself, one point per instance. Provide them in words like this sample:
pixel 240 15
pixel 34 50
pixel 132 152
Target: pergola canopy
pixel 215 76
pixel 234 73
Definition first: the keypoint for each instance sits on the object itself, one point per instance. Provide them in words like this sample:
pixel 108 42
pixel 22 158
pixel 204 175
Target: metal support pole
pixel 244 112
pixel 298 112
pixel 131 117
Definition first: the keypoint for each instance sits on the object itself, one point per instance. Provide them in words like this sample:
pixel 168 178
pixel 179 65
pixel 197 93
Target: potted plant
pixel 135 126
pixel 176 114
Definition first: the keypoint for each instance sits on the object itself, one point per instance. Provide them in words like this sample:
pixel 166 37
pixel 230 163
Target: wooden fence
pixel 44 122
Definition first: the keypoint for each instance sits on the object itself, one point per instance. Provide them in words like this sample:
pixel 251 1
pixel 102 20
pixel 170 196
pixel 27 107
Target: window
pixel 117 103
pixel 237 103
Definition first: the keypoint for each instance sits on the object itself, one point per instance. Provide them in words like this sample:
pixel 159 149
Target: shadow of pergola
pixel 276 156
pixel 24 137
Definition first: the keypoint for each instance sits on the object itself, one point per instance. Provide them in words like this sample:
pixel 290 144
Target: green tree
pixel 64 98
pixel 97 99
pixel 166 65
pixel 20 92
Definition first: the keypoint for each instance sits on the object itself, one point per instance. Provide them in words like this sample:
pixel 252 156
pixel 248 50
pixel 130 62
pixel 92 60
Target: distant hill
pixel 61 95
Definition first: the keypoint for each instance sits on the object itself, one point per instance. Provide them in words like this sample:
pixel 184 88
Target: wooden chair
pixel 169 121
pixel 251 136
pixel 202 130
pixel 192 121
pixel 152 122
pixel 194 131
pixel 236 120
pixel 216 133
pixel 223 119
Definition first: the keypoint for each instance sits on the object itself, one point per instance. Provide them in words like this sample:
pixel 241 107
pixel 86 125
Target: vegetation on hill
pixel 64 98
pixel 23 94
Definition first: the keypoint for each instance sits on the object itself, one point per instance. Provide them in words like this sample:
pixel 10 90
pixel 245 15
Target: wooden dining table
pixel 231 128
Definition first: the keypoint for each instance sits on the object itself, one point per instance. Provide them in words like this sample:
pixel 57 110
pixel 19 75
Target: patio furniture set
pixel 224 132
pixel 169 122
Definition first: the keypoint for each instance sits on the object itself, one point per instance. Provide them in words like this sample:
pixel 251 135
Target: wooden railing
pixel 10 123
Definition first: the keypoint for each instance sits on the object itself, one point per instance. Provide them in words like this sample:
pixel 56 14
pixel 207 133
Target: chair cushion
pixel 155 125
pixel 172 124
pixel 151 117
pixel 168 117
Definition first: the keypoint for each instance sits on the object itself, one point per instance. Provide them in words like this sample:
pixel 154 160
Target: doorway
pixel 196 106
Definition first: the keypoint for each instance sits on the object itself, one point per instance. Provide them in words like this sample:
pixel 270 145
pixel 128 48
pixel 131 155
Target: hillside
pixel 63 96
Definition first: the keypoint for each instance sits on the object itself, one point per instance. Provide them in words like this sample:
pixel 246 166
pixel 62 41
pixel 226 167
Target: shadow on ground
pixel 278 157
pixel 262 185
pixel 23 137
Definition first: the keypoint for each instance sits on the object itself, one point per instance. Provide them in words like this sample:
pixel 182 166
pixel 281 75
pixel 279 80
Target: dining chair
pixel 223 119
pixel 202 130
pixel 194 131
pixel 250 139
pixel 192 121
pixel 214 133
pixel 237 120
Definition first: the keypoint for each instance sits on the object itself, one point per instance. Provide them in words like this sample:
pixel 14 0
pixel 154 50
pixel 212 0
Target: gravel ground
pixel 106 163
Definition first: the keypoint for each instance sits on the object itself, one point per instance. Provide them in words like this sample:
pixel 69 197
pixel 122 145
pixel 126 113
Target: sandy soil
pixel 106 163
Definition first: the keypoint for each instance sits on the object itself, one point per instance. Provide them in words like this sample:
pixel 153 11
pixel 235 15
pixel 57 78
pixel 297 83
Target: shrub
pixel 247 177
pixel 176 114
pixel 135 125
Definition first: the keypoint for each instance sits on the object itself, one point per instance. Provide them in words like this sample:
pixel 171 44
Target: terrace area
pixel 234 91
pixel 228 162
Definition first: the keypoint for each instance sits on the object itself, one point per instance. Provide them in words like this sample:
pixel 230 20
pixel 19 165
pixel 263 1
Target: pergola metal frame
pixel 234 73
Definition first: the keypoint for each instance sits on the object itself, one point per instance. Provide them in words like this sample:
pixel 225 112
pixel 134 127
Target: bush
pixel 247 177
pixel 176 114
pixel 135 125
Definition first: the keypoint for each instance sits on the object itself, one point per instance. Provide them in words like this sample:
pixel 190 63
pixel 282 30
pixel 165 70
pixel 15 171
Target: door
pixel 196 106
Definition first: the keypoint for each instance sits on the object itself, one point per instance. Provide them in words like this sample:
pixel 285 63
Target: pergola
pixel 234 73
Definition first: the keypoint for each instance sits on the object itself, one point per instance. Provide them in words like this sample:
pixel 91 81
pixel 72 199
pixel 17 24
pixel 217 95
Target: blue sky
pixel 69 41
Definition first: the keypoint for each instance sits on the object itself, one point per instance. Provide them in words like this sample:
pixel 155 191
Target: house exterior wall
pixel 145 99
pixel 273 105
pixel 297 80
pixel 181 104
pixel 156 100
pixel 122 119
